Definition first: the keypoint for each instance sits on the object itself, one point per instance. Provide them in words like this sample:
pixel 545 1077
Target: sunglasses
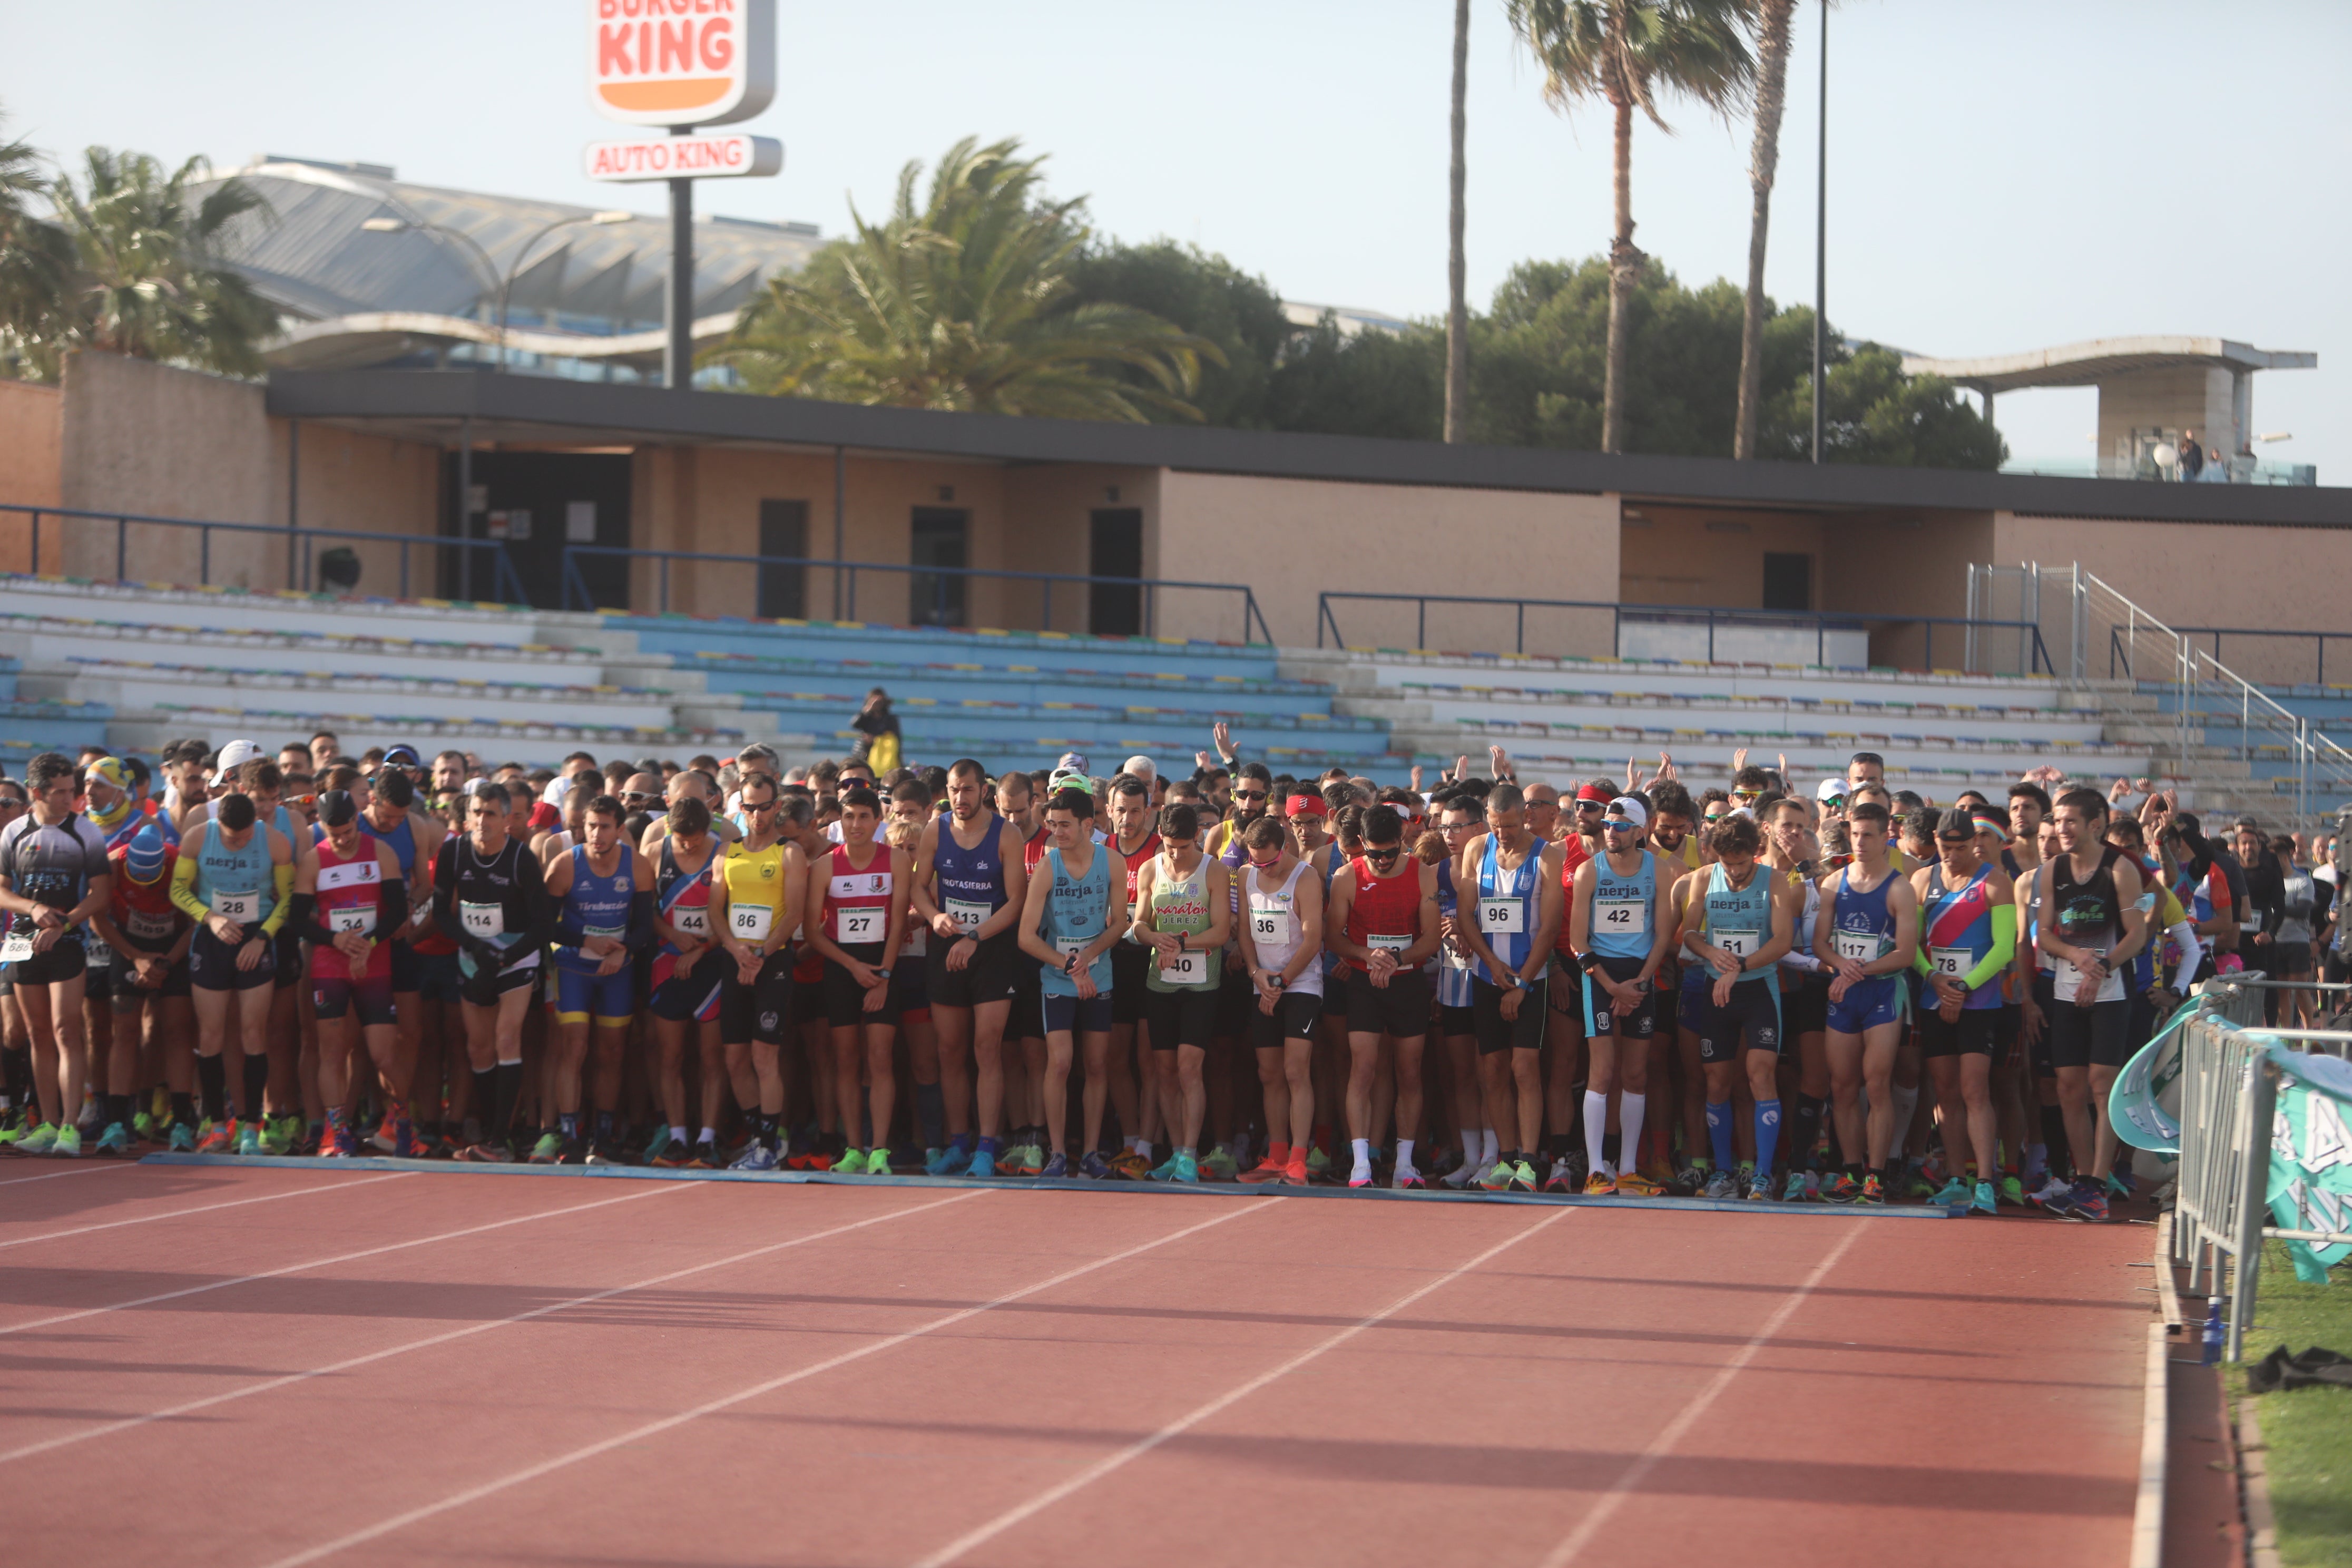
pixel 1382 856
pixel 1266 864
pixel 636 797
pixel 1618 825
pixel 1590 805
pixel 1249 795
pixel 1715 817
pixel 1746 793
pixel 760 805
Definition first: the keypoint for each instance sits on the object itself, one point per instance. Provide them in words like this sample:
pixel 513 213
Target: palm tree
pixel 1772 18
pixel 1624 52
pixel 34 259
pixel 962 302
pixel 1457 308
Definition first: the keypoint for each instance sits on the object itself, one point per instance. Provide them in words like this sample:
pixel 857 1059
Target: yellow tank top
pixel 755 889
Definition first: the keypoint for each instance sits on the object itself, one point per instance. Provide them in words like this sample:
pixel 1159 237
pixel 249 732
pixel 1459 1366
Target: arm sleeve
pixel 2192 954
pixel 302 920
pixel 282 878
pixel 184 889
pixel 391 904
pixel 2004 948
pixel 569 931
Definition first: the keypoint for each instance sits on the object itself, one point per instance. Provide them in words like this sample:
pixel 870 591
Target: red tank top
pixel 858 904
pixel 348 888
pixel 1034 853
pixel 146 915
pixel 1384 906
pixel 1135 861
pixel 1573 852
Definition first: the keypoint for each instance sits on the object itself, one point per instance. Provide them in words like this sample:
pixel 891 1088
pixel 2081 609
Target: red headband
pixel 1305 805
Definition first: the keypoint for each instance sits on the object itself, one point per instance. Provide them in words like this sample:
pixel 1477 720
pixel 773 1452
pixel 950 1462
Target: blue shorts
pixel 1066 1014
pixel 438 977
pixel 582 993
pixel 1867 1004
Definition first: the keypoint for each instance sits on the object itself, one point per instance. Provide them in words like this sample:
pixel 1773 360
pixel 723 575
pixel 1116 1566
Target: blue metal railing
pixel 506 583
pixel 577 595
pixel 1820 623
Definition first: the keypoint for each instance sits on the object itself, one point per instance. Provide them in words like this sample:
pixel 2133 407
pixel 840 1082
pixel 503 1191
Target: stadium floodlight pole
pixel 1821 230
pixel 514 269
pixel 476 256
pixel 677 354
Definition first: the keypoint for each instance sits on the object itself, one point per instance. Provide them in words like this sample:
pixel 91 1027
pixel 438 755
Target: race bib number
pixel 488 921
pixel 360 919
pixel 15 949
pixel 1265 923
pixel 969 917
pixel 1502 917
pixel 692 920
pixel 242 908
pixel 1185 969
pixel 2070 978
pixel 148 927
pixel 751 923
pixel 1951 962
pixel 1071 946
pixel 1384 942
pixel 918 940
pixel 95 954
pixel 2250 925
pixel 1741 944
pixel 1856 947
pixel 1622 916
pixel 862 925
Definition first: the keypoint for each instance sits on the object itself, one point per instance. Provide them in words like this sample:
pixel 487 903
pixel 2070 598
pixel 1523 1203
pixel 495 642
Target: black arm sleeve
pixel 391 904
pixel 302 920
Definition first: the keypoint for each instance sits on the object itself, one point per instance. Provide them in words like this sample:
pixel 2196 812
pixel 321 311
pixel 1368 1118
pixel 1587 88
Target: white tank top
pixel 1274 928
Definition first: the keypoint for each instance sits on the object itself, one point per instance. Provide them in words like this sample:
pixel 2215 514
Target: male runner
pixel 602 891
pixel 1738 919
pixel 1517 893
pixel 1134 1086
pixel 1074 913
pixel 755 906
pixel 1281 946
pixel 689 973
pixel 150 937
pixel 54 875
pixel 2091 927
pixel 235 878
pixel 349 894
pixel 1620 912
pixel 969 885
pixel 1183 913
pixel 857 901
pixel 1969 912
pixel 488 895
pixel 1867 931
pixel 1383 924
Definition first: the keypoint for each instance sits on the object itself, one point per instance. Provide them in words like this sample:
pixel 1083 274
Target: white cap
pixel 1141 767
pixel 557 790
pixel 1832 789
pixel 236 753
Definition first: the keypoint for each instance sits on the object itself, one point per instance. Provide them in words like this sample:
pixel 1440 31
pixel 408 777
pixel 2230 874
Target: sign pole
pixel 677 356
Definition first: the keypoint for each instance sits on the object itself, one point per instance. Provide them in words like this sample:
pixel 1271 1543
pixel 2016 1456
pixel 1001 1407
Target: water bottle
pixel 2212 1331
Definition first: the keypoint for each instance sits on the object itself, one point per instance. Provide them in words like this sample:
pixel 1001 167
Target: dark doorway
pixel 937 598
pixel 1116 609
pixel 783 590
pixel 535 503
pixel 1787 582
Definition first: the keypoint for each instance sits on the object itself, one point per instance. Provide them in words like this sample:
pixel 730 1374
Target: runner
pixel 1968 920
pixel 1458 814
pixel 418 1016
pixel 601 892
pixel 755 907
pixel 1281 947
pixel 857 900
pixel 234 877
pixel 1513 932
pixel 2091 928
pixel 488 895
pixel 349 894
pixel 1793 851
pixel 150 937
pixel 1134 1083
pixel 1868 931
pixel 1620 912
pixel 1182 912
pixel 1739 919
pixel 687 973
pixel 969 889
pixel 1074 913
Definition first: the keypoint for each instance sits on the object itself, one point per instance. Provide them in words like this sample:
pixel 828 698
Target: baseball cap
pixel 236 753
pixel 1832 789
pixel 557 790
pixel 403 755
pixel 1630 808
pixel 1141 766
pixel 143 864
pixel 1072 763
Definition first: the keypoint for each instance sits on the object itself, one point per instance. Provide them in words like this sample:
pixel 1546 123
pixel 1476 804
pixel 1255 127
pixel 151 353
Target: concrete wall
pixel 31 428
pixel 1290 540
pixel 2181 397
pixel 1695 555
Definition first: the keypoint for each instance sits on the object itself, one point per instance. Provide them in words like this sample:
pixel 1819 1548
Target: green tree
pixel 1206 296
pixel 1875 414
pixel 1371 383
pixel 1627 53
pixel 35 260
pixel 964 302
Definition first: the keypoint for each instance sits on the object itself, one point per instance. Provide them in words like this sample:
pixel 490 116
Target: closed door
pixel 783 530
pixel 1116 609
pixel 936 598
pixel 1787 582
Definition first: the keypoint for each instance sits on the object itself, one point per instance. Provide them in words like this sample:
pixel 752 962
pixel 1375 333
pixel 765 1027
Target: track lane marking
pixel 208 1209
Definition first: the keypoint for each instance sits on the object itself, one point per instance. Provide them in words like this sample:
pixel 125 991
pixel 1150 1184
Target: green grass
pixel 2309 1430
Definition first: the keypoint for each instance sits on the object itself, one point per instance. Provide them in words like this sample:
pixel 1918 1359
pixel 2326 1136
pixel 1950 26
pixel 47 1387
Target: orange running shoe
pixel 1634 1185
pixel 1270 1169
pixel 386 1136
pixel 1295 1174
pixel 220 1139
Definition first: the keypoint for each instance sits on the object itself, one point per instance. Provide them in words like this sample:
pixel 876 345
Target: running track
pixel 255 1366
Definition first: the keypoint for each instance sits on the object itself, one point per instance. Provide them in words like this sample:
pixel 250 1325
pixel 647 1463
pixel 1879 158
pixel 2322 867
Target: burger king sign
pixel 681 62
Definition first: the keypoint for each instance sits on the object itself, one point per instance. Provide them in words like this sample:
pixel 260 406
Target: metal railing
pixel 2033 654
pixel 2318 641
pixel 2229 1101
pixel 301 542
pixel 578 595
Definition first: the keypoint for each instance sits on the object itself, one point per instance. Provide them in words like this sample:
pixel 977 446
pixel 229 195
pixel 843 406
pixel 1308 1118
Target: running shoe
pixel 1166 1170
pixel 546 1152
pixel 1918 1186
pixel 1461 1176
pixel 1523 1178
pixel 283 1134
pixel 1873 1194
pixel 1689 1181
pixel 1267 1170
pixel 1056 1167
pixel 1405 1179
pixel 1128 1165
pixel 984 1164
pixel 249 1138
pixel 1759 1187
pixel 1093 1167
pixel 1027 1160
pixel 114 1140
pixel 183 1138
pixel 12 1127
pixel 1218 1165
pixel 2089 1202
pixel 1955 1193
pixel 656 1145
pixel 386 1135
pixel 670 1153
pixel 1722 1187
pixel 707 1157
pixel 343 1143
pixel 1657 1172
pixel 2012 1192
pixel 1188 1169
pixel 936 1161
pixel 1560 1178
pixel 1796 1190
pixel 1496 1178
pixel 1360 1174
pixel 1985 1202
pixel 1841 1188
pixel 1599 1185
pixel 68 1147
pixel 600 1154
pixel 1638 1185
pixel 143 1127
pixel 412 1146
pixel 1318 1165
pixel 851 1164
pixel 758 1157
pixel 1295 1174
pixel 2118 1184
pixel 2054 1196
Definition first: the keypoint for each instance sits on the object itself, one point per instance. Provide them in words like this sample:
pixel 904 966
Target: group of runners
pixel 1837 994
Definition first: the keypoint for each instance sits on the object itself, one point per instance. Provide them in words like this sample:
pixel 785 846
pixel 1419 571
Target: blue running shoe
pixel 1057 1168
pixel 1188 1168
pixel 758 1157
pixel 983 1162
pixel 1093 1167
pixel 1986 1202
pixel 940 1162
pixel 1953 1193
pixel 1166 1171
pixel 2118 1184
pixel 2089 1203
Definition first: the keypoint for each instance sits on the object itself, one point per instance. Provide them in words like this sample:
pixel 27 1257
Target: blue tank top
pixel 1507 905
pixel 971 882
pixel 1621 907
pixel 236 875
pixel 1958 923
pixel 1454 970
pixel 1861 927
pixel 401 838
pixel 1074 917
pixel 600 905
pixel 1740 919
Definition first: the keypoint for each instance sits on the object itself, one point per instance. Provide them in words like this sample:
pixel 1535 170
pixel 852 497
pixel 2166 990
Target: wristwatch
pixel 883 973
pixel 1588 962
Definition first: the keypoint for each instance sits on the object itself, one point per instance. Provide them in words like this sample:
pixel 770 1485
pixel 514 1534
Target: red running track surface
pixel 249 1366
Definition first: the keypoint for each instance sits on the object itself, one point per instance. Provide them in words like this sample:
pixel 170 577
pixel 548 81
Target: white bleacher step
pixel 1833 747
pixel 144 731
pixel 1764 717
pixel 134 685
pixel 238 608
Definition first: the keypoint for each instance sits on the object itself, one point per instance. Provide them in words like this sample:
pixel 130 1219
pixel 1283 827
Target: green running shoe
pixel 1218 1165
pixel 69 1143
pixel 1985 1202
pixel 1318 1164
pixel 852 1163
pixel 281 1135
pixel 1523 1178
pixel 1953 1194
pixel 2012 1192
pixel 39 1141
pixel 143 1126
pixel 548 1150
pixel 1497 1177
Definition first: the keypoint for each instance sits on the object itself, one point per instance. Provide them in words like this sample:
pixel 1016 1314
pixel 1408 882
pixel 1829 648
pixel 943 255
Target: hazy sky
pixel 2003 175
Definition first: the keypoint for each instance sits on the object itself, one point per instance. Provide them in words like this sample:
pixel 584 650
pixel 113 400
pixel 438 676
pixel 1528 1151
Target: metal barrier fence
pixel 2229 1100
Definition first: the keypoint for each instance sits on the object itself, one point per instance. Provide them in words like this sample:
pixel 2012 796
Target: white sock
pixel 1488 1149
pixel 1596 1128
pixel 1630 1107
pixel 1469 1145
pixel 676 1134
pixel 1906 1104
pixel 1363 1149
pixel 1141 1146
pixel 1404 1154
pixel 710 1135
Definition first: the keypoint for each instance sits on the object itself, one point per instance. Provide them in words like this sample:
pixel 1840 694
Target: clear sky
pixel 2004 174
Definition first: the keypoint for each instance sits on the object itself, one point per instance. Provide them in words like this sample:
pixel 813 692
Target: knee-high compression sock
pixel 1718 1133
pixel 1767 1133
pixel 212 1078
pixel 931 1112
pixel 16 1077
pixel 1596 1117
pixel 485 1096
pixel 2055 1148
pixel 505 1090
pixel 256 1083
pixel 1630 1107
pixel 1806 1132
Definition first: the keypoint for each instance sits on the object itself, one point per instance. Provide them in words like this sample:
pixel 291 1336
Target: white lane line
pixel 653 1428
pixel 1182 1424
pixel 74 1171
pixel 207 1208
pixel 659 1190
pixel 1639 1470
pixel 124 1425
